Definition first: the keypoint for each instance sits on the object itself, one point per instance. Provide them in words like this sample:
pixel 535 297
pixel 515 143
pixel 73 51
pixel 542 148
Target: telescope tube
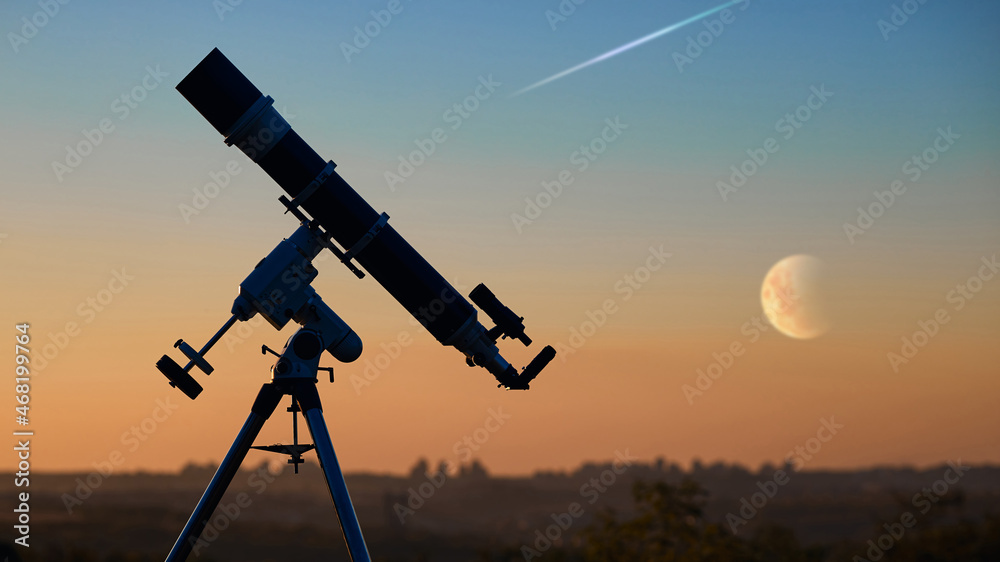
pixel 247 118
pixel 222 94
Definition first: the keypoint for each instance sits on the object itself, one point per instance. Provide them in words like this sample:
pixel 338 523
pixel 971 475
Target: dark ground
pixel 472 516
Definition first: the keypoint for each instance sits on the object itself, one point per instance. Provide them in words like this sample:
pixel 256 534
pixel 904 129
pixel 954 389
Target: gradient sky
pixel 656 184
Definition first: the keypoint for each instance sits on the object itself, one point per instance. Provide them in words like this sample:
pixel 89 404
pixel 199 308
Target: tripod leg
pixel 267 400
pixel 312 410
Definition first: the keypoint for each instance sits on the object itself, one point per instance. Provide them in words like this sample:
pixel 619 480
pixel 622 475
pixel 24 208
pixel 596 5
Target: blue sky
pixel 656 183
pixel 890 96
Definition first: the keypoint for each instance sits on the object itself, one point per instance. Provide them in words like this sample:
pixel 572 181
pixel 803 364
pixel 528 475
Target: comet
pixel 626 47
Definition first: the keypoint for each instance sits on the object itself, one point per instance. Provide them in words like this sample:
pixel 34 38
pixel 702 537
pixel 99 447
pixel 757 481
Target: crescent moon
pixel 793 299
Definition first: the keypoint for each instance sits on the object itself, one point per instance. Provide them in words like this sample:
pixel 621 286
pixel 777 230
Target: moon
pixel 793 299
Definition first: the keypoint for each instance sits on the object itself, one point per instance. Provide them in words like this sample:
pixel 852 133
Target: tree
pixel 670 526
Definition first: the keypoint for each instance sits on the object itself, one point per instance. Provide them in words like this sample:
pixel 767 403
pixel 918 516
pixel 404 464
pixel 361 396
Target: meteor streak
pixel 626 47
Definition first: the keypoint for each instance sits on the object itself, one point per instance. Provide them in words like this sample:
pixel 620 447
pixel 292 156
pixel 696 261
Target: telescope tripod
pixel 305 397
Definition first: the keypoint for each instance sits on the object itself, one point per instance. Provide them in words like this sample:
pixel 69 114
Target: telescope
pixel 248 120
pixel 332 216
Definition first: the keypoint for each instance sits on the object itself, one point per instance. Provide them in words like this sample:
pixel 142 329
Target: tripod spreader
pixel 303 392
pixel 294 450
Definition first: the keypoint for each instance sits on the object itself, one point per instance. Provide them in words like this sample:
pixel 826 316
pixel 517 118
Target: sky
pixel 629 210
